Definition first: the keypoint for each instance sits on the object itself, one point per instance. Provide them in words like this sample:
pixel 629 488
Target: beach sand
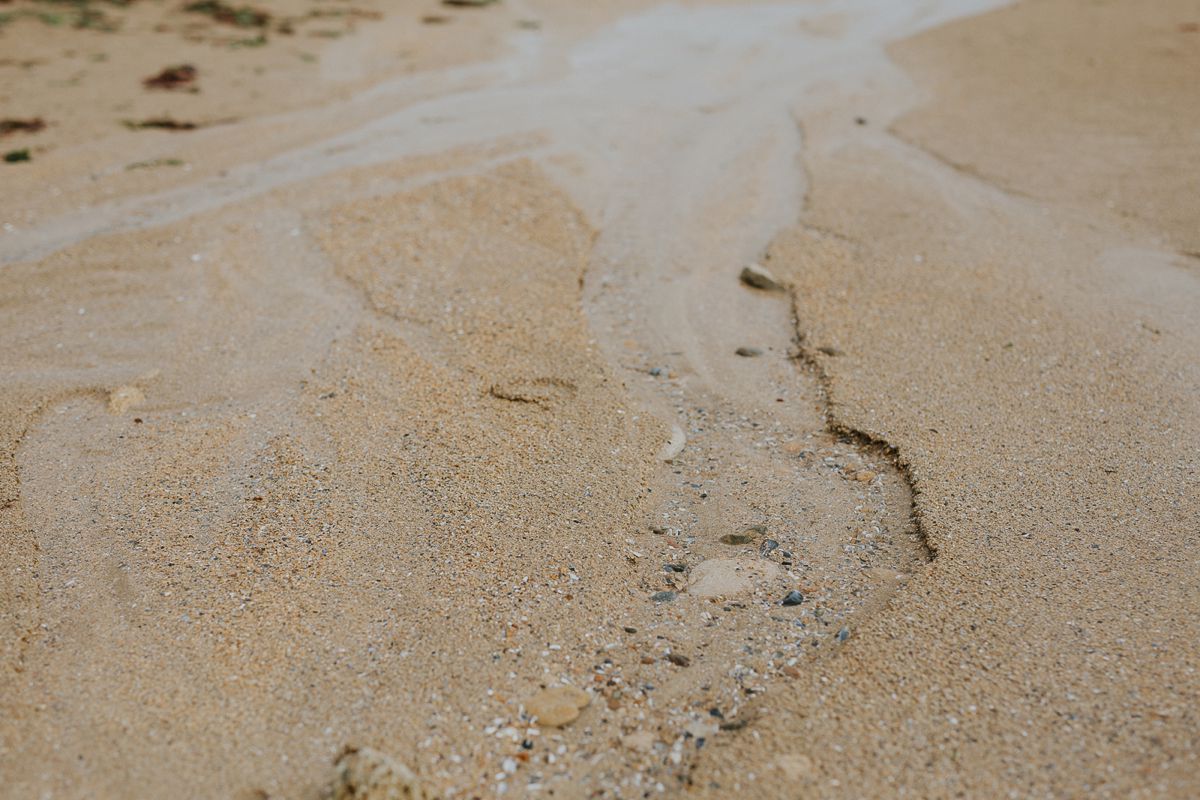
pixel 352 427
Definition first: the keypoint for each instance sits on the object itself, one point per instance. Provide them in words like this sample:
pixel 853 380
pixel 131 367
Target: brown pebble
pixel 679 659
pixel 557 706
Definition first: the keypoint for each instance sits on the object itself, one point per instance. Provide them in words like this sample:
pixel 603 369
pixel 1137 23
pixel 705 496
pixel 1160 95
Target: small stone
pixel 767 547
pixel 675 567
pixel 363 773
pixel 793 598
pixel 630 629
pixel 557 706
pixel 843 634
pixel 748 352
pixel 758 277
pixel 663 597
pixel 679 659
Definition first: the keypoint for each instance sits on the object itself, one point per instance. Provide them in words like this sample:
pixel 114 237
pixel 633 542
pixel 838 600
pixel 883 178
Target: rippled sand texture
pixel 423 395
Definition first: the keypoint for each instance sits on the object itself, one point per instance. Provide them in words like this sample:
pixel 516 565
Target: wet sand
pixel 420 394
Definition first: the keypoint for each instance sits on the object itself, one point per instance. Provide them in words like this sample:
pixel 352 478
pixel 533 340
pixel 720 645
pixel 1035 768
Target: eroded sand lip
pixel 124 398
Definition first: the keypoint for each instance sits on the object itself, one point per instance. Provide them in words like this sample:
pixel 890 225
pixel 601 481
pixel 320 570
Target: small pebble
pixel 557 706
pixel 749 352
pixel 793 598
pixel 679 659
pixel 675 567
pixel 767 547
pixel 663 597
pixel 758 277
pixel 843 634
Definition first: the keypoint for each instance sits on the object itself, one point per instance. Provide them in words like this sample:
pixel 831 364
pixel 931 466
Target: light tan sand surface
pixel 423 425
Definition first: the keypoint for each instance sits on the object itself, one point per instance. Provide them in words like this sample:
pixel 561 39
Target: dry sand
pixel 416 398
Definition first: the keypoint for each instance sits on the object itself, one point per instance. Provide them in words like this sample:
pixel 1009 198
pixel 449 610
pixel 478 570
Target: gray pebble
pixel 663 597
pixel 748 352
pixel 793 598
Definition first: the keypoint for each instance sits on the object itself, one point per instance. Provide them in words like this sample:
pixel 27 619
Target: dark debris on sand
pixel 180 76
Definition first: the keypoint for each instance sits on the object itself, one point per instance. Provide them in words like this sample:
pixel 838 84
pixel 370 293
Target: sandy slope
pixel 1036 364
pixel 352 435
